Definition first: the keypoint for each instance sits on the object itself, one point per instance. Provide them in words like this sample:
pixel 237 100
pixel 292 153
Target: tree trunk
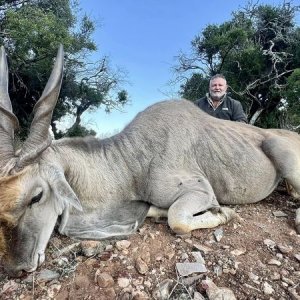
pixel 255 116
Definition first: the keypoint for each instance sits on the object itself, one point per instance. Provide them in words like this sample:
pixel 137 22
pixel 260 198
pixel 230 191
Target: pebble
pixel 188 241
pixel 287 280
pixel 248 286
pixel 279 214
pixel 267 289
pixel 274 262
pixel 139 295
pixel 232 271
pixel 125 295
pixel 275 276
pixel 170 254
pixel 82 281
pixel 146 256
pixel 225 247
pixel 198 257
pixel 109 248
pixel 185 269
pixel 162 290
pixel 187 281
pixel 61 261
pixel 123 282
pixel 184 257
pixel 123 245
pixel 217 293
pixel 10 286
pixel 285 249
pixel 104 280
pixel 204 249
pixel 236 264
pixel 53 290
pixel 141 266
pixel 269 243
pixel 284 272
pixel 185 235
pixel 137 281
pixel 218 233
pixel 47 275
pixel 91 248
pixel 297 274
pixel 238 252
pixel 297 256
pixel 148 284
pixel 253 277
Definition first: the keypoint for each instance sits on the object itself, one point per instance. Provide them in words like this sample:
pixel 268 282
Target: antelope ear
pixel 65 195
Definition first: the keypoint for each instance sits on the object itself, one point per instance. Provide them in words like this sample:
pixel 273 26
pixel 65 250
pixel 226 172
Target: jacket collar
pixel 210 101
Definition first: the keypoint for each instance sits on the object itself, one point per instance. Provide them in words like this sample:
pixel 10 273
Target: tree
pixel 31 31
pixel 195 87
pixel 256 51
pixel 289 106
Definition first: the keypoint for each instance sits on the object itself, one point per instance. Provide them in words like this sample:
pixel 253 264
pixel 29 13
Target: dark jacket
pixel 229 109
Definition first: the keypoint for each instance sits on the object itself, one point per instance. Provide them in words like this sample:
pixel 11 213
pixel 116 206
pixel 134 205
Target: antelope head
pixel 33 190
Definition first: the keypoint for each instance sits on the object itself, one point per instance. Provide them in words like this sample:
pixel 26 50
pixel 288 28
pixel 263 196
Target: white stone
pixel 238 252
pixel 267 289
pixel 53 290
pixel 122 245
pixel 185 269
pixel 274 262
pixel 123 282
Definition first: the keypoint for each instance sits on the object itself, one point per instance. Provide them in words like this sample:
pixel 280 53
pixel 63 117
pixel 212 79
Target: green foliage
pixel 290 106
pixel 77 130
pixel 195 87
pixel 257 50
pixel 31 32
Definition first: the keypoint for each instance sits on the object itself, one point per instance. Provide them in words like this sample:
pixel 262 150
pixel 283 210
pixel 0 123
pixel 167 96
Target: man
pixel 218 104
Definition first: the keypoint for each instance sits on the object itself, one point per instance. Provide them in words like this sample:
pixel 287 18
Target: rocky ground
pixel 255 256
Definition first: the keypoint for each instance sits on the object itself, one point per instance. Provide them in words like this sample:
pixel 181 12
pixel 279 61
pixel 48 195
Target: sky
pixel 143 37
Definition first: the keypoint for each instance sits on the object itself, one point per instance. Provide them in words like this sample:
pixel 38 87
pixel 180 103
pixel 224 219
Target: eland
pixel 172 160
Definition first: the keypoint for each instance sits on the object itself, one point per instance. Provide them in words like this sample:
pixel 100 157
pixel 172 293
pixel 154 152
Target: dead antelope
pixel 172 160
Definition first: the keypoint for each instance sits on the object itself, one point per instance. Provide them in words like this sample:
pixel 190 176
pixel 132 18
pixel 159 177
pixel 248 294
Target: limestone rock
pixel 162 290
pixel 123 282
pixel 185 269
pixel 267 289
pixel 91 248
pixel 217 293
pixel 104 280
pixel 274 262
pixel 141 266
pixel 123 245
pixel 285 249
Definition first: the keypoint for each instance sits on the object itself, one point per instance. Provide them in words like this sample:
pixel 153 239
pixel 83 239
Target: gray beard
pixel 217 96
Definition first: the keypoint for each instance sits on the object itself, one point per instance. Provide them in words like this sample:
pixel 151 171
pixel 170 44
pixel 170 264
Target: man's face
pixel 217 88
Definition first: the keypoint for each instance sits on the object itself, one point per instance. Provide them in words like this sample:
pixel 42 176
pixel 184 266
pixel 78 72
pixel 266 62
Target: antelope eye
pixel 36 198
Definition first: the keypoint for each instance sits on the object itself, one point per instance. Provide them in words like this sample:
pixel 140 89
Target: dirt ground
pixel 257 256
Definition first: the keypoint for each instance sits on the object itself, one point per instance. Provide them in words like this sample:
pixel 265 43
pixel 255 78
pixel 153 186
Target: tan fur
pixel 10 190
